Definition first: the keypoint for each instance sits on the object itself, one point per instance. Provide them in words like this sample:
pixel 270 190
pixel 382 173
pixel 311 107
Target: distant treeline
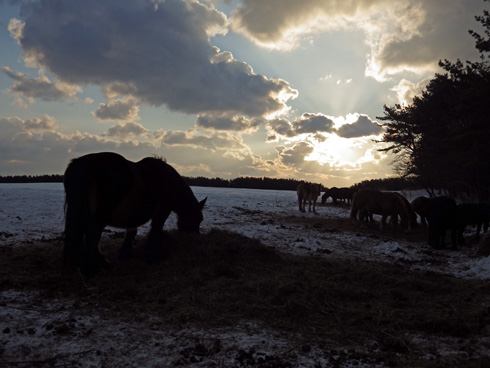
pixel 389 184
pixel 241 182
pixel 32 179
pixel 245 182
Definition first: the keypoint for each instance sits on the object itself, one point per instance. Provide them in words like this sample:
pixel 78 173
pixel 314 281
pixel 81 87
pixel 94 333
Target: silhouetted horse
pixel 308 192
pixel 472 214
pixel 442 215
pixel 419 205
pixel 412 216
pixel 344 194
pixel 367 202
pixel 105 189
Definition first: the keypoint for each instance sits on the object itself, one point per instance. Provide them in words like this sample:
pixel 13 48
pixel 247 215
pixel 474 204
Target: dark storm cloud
pixel 156 51
pixel 362 127
pixel 296 154
pixel 306 124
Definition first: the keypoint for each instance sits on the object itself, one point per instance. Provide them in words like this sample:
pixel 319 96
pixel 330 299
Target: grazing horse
pixel 412 216
pixel 367 202
pixel 419 205
pixel 308 192
pixel 473 214
pixel 442 214
pixel 105 189
pixel 344 194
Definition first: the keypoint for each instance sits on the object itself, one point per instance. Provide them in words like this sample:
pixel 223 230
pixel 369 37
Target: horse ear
pixel 202 203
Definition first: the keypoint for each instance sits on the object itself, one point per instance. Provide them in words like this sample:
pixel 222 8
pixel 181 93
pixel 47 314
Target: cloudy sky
pixel 220 88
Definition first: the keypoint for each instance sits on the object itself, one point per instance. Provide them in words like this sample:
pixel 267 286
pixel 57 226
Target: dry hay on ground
pixel 220 279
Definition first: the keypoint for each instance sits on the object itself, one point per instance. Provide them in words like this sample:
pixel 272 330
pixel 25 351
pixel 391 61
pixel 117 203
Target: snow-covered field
pixel 34 213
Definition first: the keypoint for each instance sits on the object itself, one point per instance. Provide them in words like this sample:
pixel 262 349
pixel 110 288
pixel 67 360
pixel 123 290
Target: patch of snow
pixel 34 212
pixel 60 332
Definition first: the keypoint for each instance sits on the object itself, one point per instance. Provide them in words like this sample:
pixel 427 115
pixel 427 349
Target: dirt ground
pixel 224 299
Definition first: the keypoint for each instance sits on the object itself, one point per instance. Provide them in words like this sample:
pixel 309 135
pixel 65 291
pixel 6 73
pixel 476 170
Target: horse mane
pixel 159 158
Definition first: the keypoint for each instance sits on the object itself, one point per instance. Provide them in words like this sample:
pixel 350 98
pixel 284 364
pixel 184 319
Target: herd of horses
pixel 439 214
pixel 105 189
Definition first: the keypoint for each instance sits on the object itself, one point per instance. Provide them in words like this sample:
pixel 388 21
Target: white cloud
pixel 217 141
pixel 34 146
pixel 406 90
pixel 226 122
pixel 46 123
pixel 403 35
pixel 126 109
pixel 41 87
pixel 126 130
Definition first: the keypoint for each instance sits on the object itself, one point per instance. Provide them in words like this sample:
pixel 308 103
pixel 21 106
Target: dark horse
pixel 105 189
pixel 475 214
pixel 442 215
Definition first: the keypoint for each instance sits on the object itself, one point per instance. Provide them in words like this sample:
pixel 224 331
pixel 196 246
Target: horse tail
pixel 75 181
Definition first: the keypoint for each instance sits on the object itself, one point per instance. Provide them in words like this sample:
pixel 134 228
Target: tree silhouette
pixel 442 138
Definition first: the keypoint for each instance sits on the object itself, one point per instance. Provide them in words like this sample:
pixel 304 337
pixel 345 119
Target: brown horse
pixel 367 202
pixel 412 216
pixel 105 189
pixel 419 205
pixel 308 192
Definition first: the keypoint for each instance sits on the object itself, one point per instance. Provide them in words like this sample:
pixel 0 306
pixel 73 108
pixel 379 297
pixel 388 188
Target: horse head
pixel 190 222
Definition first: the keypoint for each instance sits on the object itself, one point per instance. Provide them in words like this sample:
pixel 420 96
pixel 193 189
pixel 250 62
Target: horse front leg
pixel 93 260
pixel 128 242
pixel 301 204
pixel 383 221
pixel 154 250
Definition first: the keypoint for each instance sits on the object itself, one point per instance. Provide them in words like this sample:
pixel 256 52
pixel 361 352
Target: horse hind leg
pixel 314 207
pixel 127 245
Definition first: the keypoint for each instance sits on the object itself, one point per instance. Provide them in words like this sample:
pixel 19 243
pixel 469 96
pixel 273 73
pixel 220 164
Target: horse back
pixel 165 186
pixel 104 187
pixel 303 190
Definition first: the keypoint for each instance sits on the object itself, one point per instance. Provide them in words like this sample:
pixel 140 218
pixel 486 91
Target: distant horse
pixel 442 215
pixel 105 189
pixel 333 192
pixel 419 205
pixel 344 194
pixel 367 202
pixel 472 214
pixel 308 192
pixel 412 216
